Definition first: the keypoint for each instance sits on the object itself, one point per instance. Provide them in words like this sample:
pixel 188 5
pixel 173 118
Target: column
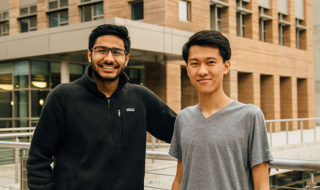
pixel 14 27
pixel 173 84
pixel 65 75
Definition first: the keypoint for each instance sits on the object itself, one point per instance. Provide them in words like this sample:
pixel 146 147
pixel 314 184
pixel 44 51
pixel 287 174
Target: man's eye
pixel 194 63
pixel 100 50
pixel 211 62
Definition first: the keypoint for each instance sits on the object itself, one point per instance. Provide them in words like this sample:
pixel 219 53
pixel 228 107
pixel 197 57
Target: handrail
pixel 8 135
pixel 298 165
pixel 17 129
pixel 294 119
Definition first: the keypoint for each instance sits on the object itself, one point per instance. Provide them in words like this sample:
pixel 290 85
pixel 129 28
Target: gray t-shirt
pixel 218 152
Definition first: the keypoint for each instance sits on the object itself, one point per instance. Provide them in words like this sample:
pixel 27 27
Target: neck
pixel 106 87
pixel 211 103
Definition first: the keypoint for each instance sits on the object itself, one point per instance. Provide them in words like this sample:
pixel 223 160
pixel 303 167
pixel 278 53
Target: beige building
pixel 44 42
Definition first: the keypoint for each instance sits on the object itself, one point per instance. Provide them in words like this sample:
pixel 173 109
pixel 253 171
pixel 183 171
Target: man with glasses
pixel 94 129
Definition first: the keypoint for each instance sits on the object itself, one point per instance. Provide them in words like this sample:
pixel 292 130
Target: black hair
pixel 210 38
pixel 110 29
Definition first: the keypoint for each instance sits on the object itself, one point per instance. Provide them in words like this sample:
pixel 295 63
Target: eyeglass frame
pixel 107 49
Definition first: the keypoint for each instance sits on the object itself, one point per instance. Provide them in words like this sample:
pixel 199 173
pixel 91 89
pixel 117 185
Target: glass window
pixel 76 71
pixel 53 19
pixel 24 11
pixel 5 15
pixel 5 104
pixel 21 72
pixel 33 23
pixel 137 10
pixel 24 25
pixel 33 9
pixel 86 13
pixel 63 3
pixel 21 104
pixel 22 123
pixel 136 75
pixel 184 10
pixel 37 101
pixel 6 76
pixel 53 4
pixel 63 17
pixel 55 74
pixel 98 11
pixel 39 74
pixel 5 124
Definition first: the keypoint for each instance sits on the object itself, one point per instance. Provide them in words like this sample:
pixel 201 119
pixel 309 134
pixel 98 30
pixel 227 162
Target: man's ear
pixel 89 56
pixel 127 60
pixel 227 66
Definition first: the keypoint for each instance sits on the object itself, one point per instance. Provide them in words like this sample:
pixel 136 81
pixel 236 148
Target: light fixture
pixel 41 101
pixel 6 86
pixel 12 103
pixel 39 84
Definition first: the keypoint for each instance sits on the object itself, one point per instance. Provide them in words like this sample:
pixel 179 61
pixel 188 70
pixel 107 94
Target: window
pixel 284 30
pixel 264 23
pixel 243 14
pixel 28 18
pixel 184 10
pixel 137 10
pixel 91 10
pixel 300 34
pixel 217 9
pixel 4 23
pixel 58 13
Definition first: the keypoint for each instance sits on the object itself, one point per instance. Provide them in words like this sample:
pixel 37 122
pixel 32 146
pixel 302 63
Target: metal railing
pixel 271 124
pixel 297 165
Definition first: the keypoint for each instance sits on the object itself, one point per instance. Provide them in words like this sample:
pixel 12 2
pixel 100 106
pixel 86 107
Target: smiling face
pixel 206 68
pixel 107 67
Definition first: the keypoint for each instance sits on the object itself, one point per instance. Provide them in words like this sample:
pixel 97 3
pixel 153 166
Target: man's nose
pixel 203 70
pixel 108 58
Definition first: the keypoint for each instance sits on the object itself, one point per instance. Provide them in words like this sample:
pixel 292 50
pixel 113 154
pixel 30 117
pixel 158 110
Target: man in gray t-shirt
pixel 219 143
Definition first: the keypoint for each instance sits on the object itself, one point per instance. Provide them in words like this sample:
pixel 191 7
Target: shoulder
pixel 249 109
pixel 187 112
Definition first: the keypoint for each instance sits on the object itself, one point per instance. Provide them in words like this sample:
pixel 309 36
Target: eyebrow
pixel 208 58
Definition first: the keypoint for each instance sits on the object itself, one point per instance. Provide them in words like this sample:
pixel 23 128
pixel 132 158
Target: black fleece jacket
pixel 95 142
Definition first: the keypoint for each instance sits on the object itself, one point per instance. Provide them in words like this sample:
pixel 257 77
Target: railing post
pixel 23 173
pixel 315 133
pixel 287 132
pixel 16 162
pixel 301 129
pixel 270 129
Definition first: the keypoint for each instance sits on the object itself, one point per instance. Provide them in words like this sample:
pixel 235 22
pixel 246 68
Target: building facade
pixel 316 55
pixel 44 43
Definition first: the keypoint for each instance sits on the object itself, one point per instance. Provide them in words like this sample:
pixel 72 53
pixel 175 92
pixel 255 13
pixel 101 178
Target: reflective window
pixel 91 12
pixel 55 74
pixel 5 104
pixel 28 24
pixel 136 75
pixel 21 104
pixel 37 101
pixel 137 10
pixel 21 72
pixel 6 76
pixel 60 15
pixel 39 74
pixel 76 71
pixel 22 123
pixel 184 10
pixel 5 124
pixel 4 24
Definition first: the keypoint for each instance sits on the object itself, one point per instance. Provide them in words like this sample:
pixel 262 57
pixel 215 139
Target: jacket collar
pixel 90 84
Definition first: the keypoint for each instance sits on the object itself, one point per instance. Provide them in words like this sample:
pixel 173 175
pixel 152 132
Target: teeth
pixel 105 67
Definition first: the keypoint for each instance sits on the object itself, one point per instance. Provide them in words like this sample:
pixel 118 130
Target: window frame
pixel 91 3
pixel 4 21
pixel 241 15
pixel 131 7
pixel 188 11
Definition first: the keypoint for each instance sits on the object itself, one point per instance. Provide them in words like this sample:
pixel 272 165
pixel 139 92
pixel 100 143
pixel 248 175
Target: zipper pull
pixel 119 113
pixel 108 100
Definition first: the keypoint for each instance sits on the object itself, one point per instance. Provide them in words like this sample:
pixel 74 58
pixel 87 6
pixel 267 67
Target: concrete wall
pixel 316 55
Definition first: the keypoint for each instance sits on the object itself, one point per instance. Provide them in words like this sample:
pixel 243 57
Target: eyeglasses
pixel 116 52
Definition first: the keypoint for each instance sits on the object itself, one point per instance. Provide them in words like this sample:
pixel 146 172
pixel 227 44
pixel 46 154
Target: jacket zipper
pixel 120 127
pixel 108 100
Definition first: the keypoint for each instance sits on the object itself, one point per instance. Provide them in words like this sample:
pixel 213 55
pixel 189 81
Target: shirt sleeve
pixel 175 147
pixel 259 151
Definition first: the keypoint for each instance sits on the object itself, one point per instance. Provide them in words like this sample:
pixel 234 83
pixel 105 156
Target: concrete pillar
pixel 189 94
pixel 173 84
pixel 292 20
pixel 231 18
pixel 65 74
pixel 294 102
pixel 256 90
pixel 277 101
pixel 156 79
pixel 233 84
pixel 274 28
pixel 252 22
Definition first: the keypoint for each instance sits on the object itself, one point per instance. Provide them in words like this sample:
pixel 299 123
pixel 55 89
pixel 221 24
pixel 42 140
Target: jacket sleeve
pixel 46 139
pixel 160 118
